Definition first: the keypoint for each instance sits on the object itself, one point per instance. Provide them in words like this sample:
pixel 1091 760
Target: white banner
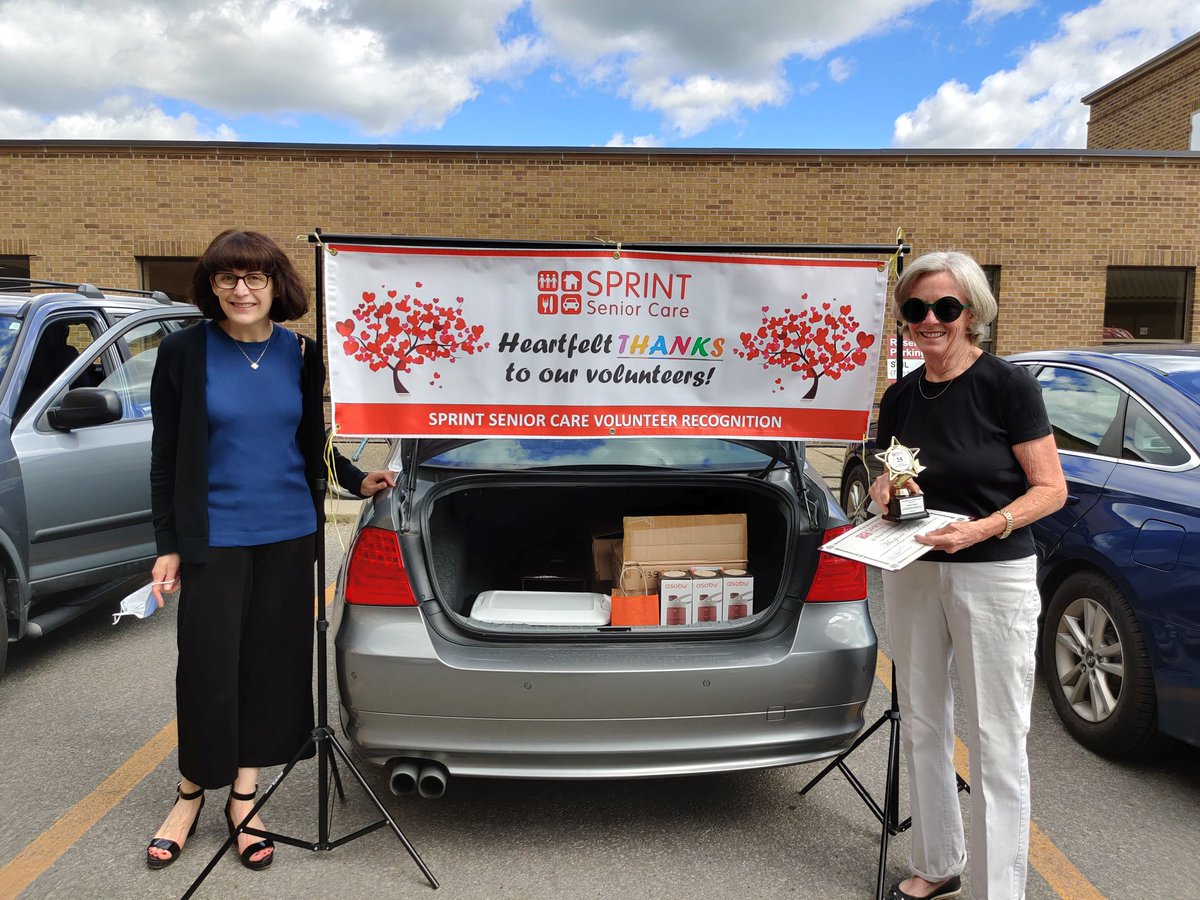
pixel 542 343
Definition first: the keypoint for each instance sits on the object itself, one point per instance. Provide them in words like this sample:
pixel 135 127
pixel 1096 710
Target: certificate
pixel 889 545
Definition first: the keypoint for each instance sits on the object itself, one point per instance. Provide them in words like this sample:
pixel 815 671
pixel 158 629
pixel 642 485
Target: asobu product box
pixel 738 588
pixel 707 595
pixel 675 597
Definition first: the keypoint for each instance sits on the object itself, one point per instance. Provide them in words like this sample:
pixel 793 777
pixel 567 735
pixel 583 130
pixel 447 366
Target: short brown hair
pixel 251 251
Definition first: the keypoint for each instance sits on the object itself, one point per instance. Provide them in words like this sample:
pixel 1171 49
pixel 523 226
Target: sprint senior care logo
pixel 559 293
pixel 612 292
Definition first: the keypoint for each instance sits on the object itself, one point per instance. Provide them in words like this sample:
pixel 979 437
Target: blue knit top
pixel 257 493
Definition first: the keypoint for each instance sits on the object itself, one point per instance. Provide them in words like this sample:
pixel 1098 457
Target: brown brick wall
pixel 1153 111
pixel 1052 221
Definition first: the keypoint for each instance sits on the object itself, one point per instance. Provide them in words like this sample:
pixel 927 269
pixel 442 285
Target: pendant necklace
pixel 921 387
pixel 254 362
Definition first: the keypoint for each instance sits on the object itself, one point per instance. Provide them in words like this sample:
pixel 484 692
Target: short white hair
pixel 966 273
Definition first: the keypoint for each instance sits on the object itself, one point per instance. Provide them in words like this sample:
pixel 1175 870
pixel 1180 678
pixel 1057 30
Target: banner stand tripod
pixel 889 814
pixel 322 736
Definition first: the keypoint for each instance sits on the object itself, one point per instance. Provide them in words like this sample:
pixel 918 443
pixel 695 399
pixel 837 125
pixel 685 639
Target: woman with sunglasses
pixel 986 451
pixel 239 435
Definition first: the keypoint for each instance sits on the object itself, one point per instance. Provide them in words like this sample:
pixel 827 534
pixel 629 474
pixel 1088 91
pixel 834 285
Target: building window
pixel 1146 304
pixel 1195 142
pixel 13 267
pixel 171 275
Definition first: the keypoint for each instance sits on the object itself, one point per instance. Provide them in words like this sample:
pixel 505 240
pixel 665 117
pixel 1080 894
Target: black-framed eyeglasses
pixel 255 281
pixel 946 309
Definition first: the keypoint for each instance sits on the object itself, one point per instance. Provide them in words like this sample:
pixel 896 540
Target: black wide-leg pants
pixel 244 683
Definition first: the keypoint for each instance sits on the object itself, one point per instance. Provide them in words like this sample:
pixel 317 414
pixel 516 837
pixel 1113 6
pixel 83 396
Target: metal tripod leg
pixel 889 814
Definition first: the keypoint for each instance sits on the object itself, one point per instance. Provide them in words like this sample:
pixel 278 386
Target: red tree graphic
pixel 398 334
pixel 814 342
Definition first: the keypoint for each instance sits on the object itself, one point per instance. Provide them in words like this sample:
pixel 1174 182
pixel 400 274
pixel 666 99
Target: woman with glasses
pixel 239 435
pixel 986 452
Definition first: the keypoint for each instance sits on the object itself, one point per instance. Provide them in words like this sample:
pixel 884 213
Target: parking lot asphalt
pixel 87 732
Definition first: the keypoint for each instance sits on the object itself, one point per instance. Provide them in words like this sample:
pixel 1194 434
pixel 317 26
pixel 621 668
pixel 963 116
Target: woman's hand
pixel 165 576
pixel 957 535
pixel 375 482
pixel 882 490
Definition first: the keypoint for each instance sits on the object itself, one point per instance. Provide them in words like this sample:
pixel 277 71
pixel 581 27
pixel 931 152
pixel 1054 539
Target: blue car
pixel 1119 564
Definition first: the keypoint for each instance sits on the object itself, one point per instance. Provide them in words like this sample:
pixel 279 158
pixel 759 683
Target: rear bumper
pixel 607 748
pixel 604 711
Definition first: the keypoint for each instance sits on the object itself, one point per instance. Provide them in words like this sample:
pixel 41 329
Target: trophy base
pixel 904 509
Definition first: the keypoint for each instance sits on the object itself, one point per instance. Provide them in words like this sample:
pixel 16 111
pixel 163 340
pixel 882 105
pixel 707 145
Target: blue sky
pixel 749 74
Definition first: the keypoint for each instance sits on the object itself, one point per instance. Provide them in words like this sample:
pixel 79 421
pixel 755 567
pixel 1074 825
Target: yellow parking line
pixel 23 869
pixel 1047 860
pixel 28 865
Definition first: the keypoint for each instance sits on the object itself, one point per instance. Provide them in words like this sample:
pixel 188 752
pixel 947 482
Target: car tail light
pixel 376 576
pixel 837 578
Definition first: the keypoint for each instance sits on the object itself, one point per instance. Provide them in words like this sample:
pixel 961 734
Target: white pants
pixel 984 617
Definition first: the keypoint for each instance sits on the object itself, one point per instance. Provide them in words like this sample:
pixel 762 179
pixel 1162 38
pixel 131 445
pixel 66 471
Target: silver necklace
pixel 254 362
pixel 921 388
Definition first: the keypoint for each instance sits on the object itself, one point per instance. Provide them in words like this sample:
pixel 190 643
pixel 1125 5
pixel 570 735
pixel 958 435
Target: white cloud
pixel 840 68
pixel 711 61
pixel 1036 103
pixel 118 118
pixel 383 64
pixel 990 10
pixel 639 140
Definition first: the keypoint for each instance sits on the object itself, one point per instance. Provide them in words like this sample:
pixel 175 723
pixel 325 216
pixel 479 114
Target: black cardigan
pixel 179 448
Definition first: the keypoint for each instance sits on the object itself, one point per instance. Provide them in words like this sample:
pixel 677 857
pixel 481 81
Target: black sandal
pixel 258 847
pixel 951 887
pixel 155 862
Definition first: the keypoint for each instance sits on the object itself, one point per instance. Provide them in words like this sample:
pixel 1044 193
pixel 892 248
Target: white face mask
pixel 140 604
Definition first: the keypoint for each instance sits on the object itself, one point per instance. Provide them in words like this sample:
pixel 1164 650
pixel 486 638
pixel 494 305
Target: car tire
pixel 856 486
pixel 1096 666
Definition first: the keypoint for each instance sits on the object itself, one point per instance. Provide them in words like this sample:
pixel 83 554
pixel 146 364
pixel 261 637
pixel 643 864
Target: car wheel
pixel 856 488
pixel 1097 668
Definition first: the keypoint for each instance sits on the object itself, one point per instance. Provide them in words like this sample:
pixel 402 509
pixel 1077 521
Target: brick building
pixel 1079 244
pixel 1153 107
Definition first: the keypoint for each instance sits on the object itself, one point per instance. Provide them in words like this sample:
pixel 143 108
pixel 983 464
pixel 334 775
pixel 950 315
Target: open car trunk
pixel 500 533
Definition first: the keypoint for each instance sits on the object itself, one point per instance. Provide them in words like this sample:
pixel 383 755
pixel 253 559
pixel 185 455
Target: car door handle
pixel 1071 500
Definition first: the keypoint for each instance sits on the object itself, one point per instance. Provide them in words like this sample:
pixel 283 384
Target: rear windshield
pixel 692 454
pixel 10 327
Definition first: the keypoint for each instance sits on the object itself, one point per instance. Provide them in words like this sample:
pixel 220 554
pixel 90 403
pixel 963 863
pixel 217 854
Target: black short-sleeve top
pixel 964 432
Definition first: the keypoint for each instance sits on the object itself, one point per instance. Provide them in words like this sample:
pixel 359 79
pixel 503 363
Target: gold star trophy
pixel 901 464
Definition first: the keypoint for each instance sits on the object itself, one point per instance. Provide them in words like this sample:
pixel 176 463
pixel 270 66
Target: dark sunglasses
pixel 947 309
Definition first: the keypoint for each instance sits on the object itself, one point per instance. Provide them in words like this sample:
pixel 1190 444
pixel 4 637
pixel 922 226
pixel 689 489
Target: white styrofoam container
pixel 542 608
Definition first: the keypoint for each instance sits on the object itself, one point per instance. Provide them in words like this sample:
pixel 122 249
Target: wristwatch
pixel 1008 524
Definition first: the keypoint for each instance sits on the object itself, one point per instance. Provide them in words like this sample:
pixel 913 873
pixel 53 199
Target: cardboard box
pixel 675 598
pixel 635 609
pixel 684 540
pixel 604 547
pixel 707 596
pixel 738 585
pixel 653 544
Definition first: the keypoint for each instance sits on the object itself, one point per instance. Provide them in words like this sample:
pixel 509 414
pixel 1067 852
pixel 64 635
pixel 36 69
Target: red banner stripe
pixel 465 420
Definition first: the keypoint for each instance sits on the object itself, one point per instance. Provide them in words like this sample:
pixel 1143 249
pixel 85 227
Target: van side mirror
pixel 85 406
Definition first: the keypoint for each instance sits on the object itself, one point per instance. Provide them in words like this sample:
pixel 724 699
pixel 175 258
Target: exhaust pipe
pixel 431 782
pixel 403 780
